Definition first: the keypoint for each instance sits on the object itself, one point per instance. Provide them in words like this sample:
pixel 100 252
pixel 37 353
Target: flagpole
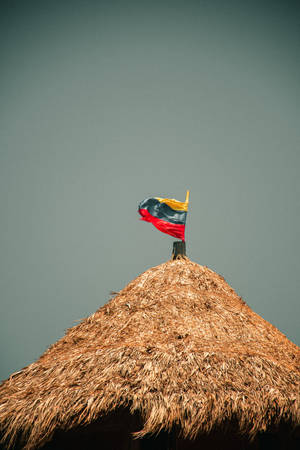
pixel 179 248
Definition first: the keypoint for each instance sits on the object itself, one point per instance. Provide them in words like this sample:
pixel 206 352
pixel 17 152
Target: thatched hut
pixel 176 360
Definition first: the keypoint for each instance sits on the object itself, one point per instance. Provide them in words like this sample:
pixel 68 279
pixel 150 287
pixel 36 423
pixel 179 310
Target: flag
pixel 167 215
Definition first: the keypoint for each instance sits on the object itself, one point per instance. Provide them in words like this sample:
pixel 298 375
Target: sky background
pixel 105 103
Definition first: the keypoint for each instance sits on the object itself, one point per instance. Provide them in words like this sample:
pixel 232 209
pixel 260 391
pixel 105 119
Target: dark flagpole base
pixel 179 250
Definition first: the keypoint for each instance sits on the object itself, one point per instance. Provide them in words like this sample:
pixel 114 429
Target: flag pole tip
pixel 187 196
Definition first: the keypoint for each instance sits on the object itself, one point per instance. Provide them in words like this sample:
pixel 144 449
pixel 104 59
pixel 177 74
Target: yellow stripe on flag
pixel 175 204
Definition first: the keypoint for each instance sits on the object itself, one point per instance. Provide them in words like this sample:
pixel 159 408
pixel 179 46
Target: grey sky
pixel 106 103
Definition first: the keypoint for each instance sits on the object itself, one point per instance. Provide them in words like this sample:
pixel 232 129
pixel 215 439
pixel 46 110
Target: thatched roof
pixel 178 346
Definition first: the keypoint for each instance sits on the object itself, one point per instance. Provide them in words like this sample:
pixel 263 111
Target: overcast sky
pixel 105 103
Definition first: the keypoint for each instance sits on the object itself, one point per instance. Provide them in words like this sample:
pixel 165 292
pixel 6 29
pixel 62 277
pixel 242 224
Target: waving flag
pixel 167 215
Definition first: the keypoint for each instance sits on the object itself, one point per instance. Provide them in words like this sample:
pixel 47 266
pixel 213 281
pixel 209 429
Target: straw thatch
pixel 177 346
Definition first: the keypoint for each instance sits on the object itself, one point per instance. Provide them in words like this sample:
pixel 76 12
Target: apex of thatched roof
pixel 178 346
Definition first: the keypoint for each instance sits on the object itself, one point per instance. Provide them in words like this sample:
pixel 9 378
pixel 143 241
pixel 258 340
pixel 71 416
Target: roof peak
pixel 178 340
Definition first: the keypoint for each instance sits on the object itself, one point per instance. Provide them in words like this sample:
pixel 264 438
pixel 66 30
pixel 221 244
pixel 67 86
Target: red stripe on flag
pixel 172 229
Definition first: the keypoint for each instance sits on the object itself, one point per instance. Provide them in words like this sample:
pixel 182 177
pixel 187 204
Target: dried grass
pixel 176 345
